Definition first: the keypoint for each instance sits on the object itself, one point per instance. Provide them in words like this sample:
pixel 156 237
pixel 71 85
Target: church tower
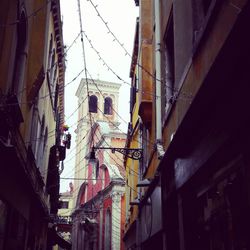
pixel 103 106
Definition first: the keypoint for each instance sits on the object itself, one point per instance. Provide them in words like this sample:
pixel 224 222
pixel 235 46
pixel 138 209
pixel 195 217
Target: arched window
pixel 106 177
pixel 82 197
pixel 93 104
pixel 107 233
pixel 50 51
pixel 94 173
pixel 45 139
pixel 52 68
pixel 54 78
pixel 41 142
pixel 108 106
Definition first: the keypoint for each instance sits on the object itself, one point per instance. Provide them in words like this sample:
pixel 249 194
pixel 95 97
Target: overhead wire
pixel 107 162
pixel 47 71
pixel 85 68
pixel 33 14
pixel 91 122
pixel 110 69
pixel 51 171
pixel 85 147
pixel 112 158
pixel 84 59
pixel 109 145
pixel 79 105
pixel 175 90
pixel 111 123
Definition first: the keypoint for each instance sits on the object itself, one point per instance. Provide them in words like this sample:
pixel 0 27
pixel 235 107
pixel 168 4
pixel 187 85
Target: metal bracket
pixel 133 153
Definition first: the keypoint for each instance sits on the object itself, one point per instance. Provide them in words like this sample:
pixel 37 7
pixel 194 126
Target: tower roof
pixel 95 85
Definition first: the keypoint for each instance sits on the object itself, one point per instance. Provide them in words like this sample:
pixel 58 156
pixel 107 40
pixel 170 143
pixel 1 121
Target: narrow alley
pixel 124 125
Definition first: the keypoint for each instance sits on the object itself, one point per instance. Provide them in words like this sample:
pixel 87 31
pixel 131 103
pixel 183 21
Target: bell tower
pixel 102 104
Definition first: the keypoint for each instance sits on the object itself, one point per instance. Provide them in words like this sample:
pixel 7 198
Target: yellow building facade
pixel 189 59
pixel 32 114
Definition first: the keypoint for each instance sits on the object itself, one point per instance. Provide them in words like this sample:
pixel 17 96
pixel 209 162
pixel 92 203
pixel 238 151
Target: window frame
pixel 20 55
pixel 201 22
pixel 108 106
pixel 63 203
pixel 93 104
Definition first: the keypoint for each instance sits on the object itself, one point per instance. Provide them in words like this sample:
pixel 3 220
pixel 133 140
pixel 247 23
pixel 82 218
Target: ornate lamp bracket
pixel 133 153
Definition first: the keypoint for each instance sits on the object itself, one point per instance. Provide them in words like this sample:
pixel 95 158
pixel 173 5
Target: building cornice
pixel 56 12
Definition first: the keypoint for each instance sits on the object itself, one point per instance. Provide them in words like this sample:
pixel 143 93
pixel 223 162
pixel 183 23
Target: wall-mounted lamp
pixel 92 158
pixel 93 161
pixel 133 153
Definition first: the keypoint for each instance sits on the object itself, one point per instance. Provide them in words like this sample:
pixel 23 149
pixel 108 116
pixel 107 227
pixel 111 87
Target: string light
pixel 173 97
pixel 176 91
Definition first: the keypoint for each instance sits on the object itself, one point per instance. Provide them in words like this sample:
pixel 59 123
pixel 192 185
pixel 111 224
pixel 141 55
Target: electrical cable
pixel 33 14
pixel 49 94
pixel 111 70
pixel 84 59
pixel 176 91
pixel 91 123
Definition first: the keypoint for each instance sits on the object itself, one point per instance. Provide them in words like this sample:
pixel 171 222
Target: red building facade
pixel 98 217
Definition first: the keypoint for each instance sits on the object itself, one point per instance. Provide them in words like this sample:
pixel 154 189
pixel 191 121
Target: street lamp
pixel 94 162
pixel 133 153
pixel 92 158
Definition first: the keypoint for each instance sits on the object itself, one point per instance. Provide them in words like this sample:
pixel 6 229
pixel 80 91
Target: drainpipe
pixel 160 150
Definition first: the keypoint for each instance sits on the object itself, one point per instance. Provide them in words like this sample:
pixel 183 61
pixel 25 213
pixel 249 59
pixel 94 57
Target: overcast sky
pixel 120 17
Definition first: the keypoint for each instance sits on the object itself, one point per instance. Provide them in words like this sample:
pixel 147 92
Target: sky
pixel 101 20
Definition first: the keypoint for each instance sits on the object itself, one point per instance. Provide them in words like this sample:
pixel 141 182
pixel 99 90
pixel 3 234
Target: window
pixel 52 69
pixel 34 128
pixel 21 55
pixel 106 177
pixel 145 140
pixel 107 233
pixel 50 51
pixel 216 217
pixel 133 94
pixel 45 139
pixel 169 69
pixel 64 204
pixel 94 173
pixel 54 80
pixel 40 143
pixel 52 66
pixel 93 104
pixel 201 12
pixel 56 97
pixel 108 106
